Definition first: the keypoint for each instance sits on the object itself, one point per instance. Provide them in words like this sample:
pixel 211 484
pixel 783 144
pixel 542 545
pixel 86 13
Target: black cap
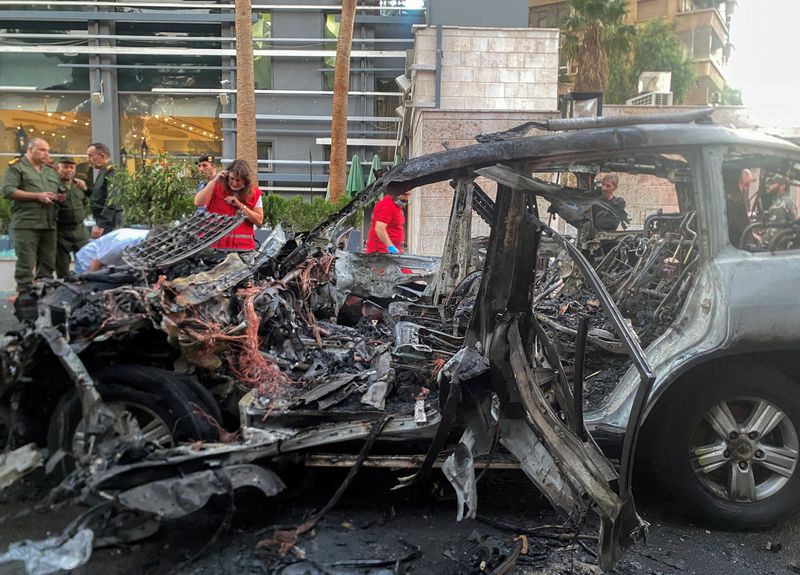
pixel 209 159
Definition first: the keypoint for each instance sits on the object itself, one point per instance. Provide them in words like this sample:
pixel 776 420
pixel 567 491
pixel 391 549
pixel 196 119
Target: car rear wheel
pixel 726 451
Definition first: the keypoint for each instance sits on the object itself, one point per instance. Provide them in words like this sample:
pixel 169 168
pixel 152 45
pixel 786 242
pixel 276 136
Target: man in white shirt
pixel 107 250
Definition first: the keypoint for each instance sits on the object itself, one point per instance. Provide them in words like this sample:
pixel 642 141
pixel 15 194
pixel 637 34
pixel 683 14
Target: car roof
pixel 454 163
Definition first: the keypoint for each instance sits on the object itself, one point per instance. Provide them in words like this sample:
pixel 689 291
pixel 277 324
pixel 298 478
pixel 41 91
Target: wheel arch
pixel 783 360
pixel 667 434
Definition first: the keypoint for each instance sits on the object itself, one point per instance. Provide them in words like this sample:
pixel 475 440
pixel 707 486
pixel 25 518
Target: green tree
pixel 246 146
pixel 594 33
pixel 657 48
pixel 731 96
pixel 341 90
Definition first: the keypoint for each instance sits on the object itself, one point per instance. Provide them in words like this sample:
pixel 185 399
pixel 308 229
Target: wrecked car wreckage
pixel 495 341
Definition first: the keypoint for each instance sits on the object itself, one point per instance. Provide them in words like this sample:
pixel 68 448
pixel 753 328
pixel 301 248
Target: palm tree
pixel 246 147
pixel 341 88
pixel 594 31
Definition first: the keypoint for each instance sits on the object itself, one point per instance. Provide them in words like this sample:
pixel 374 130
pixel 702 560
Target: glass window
pixel 25 69
pixel 264 152
pixel 51 7
pixel 330 33
pixel 152 71
pixel 761 199
pixel 262 65
pixel 169 11
pixel 63 120
pixel 145 72
pixel 179 125
pixel 385 107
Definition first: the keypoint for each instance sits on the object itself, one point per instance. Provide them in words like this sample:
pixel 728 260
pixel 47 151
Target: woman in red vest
pixel 229 193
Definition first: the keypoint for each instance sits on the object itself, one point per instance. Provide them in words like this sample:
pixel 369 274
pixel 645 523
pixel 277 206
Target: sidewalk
pixel 7 263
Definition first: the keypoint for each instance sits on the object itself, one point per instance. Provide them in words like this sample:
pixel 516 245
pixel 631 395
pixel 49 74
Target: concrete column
pixel 228 125
pixel 103 95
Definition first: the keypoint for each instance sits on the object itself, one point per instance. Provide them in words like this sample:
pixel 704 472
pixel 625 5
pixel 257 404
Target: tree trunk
pixel 592 63
pixel 341 88
pixel 246 148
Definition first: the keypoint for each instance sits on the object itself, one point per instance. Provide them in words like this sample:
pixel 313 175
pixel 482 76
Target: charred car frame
pixel 121 369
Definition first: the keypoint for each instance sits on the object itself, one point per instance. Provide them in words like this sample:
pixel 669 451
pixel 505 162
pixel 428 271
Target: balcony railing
pixel 707 18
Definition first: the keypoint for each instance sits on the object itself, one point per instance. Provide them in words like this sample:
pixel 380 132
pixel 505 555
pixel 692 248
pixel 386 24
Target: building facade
pixel 151 77
pixel 468 81
pixel 703 27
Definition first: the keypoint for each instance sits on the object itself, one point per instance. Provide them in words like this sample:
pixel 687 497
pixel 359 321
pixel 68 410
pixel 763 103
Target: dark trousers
pixel 36 251
pixel 71 238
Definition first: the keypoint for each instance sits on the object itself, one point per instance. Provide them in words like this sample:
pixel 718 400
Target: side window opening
pixel 761 195
pixel 649 258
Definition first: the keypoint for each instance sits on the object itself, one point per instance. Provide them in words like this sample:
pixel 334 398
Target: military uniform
pixel 34 223
pixel 105 216
pixel 72 234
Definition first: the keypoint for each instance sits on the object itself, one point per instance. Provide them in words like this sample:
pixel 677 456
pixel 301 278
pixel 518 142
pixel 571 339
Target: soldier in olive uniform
pixel 32 185
pixel 70 214
pixel 95 173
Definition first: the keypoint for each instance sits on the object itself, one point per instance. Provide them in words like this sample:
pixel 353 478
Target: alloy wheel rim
pixel 744 450
pixel 153 428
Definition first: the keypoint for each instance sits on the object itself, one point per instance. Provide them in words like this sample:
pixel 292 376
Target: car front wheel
pixel 726 449
pixel 168 408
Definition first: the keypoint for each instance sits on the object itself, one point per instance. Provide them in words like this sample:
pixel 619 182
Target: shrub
pixel 5 215
pixel 298 214
pixel 159 192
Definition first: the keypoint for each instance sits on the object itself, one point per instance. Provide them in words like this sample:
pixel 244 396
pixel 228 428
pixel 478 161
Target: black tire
pixel 700 481
pixel 171 403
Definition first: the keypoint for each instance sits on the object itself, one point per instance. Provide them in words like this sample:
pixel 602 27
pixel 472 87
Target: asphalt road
pixel 373 522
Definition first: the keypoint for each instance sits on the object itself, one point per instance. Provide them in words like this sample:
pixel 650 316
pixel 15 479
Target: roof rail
pixel 563 124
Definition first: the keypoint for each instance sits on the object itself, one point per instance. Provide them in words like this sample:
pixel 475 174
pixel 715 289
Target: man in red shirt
pixel 387 231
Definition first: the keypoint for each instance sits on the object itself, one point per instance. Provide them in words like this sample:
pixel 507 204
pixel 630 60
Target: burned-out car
pixel 161 385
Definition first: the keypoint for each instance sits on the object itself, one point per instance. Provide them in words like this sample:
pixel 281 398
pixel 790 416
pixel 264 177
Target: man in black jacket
pixel 609 219
pixel 96 174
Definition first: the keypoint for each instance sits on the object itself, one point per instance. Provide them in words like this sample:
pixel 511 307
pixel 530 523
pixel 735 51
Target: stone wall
pixel 429 207
pixel 488 68
pixel 491 80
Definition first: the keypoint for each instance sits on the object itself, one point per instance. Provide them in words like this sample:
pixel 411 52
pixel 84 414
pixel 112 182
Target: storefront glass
pixel 178 125
pixel 61 119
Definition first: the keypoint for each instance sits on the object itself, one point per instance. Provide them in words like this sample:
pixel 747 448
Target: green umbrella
pixel 374 169
pixel 355 178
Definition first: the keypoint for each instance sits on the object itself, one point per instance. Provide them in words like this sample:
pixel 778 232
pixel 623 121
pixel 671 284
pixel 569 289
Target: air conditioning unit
pixel 655 82
pixel 656 99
